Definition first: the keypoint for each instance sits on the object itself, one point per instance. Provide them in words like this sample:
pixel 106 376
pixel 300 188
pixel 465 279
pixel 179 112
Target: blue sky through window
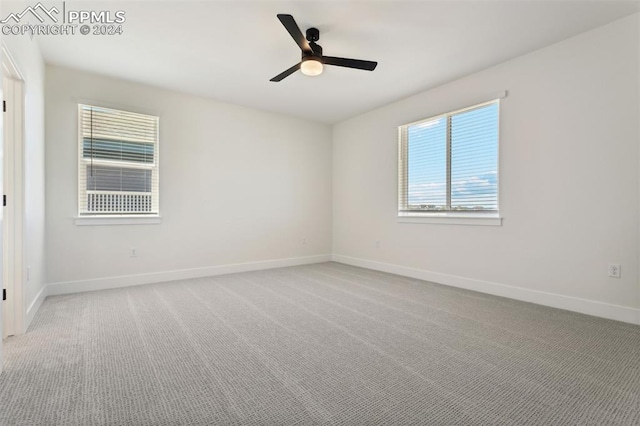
pixel 427 166
pixel 474 161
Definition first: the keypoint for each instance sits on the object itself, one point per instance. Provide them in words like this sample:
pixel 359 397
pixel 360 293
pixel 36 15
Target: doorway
pixel 13 178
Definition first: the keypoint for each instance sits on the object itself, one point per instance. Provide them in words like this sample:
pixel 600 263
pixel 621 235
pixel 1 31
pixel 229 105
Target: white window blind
pixel 117 162
pixel 449 163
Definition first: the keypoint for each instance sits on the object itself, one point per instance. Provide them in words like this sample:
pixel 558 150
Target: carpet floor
pixel 325 344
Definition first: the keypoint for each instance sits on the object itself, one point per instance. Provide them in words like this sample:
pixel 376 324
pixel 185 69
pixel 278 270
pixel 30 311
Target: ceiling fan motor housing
pixel 313 34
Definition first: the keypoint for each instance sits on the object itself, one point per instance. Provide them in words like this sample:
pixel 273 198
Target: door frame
pixel 13 271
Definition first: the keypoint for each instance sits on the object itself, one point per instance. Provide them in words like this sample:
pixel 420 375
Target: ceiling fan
pixel 313 60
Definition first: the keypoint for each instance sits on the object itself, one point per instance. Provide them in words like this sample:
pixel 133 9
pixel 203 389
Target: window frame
pixel 119 218
pixel 466 217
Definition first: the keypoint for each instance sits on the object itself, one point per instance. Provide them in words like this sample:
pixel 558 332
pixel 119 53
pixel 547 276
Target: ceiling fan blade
pixel 291 26
pixel 350 63
pixel 286 73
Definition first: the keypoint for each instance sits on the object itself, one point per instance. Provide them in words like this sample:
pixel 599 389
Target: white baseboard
pixel 35 305
pixel 569 303
pixel 182 274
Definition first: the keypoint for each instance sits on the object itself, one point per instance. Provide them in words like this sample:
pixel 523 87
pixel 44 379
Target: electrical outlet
pixel 133 252
pixel 614 270
pixel 377 244
pixel 304 241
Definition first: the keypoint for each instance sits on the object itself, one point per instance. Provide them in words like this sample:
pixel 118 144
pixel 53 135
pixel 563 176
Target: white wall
pixel 569 184
pixel 237 185
pixel 568 177
pixel 26 55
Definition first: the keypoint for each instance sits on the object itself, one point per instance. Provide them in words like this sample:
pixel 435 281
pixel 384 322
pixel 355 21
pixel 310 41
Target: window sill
pixel 117 220
pixel 452 219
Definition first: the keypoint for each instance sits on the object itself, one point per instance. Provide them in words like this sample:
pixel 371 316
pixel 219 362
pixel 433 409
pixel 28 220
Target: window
pixel 448 164
pixel 117 162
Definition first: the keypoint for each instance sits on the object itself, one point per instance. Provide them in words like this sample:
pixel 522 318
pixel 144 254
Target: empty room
pixel 320 212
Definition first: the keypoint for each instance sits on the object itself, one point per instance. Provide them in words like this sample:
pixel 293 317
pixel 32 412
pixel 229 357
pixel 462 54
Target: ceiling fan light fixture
pixel 311 67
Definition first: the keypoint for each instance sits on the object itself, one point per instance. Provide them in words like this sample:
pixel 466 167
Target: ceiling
pixel 228 50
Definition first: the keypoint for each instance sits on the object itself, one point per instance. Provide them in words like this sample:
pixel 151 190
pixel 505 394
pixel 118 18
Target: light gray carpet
pixel 318 344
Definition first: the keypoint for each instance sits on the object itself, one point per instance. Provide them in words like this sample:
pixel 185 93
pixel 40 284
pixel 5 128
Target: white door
pixel 1 210
pixel 11 161
pixel 6 250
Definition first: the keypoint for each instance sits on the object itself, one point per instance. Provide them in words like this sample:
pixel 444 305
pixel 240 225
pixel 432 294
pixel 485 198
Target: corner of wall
pixel 34 306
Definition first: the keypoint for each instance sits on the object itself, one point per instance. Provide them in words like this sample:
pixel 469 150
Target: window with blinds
pixel 117 162
pixel 449 163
